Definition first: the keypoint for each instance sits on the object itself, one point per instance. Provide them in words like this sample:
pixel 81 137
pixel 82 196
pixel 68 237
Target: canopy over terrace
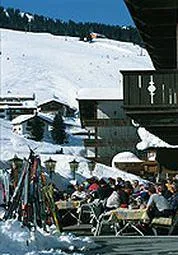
pixel 156 21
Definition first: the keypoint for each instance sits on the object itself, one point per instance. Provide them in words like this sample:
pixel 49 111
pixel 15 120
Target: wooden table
pixel 128 218
pixel 68 206
pixel 131 218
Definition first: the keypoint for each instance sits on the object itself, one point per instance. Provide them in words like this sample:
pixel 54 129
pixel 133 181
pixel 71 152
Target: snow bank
pixel 106 171
pixel 17 240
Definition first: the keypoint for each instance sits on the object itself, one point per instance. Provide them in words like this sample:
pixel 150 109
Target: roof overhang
pixel 156 21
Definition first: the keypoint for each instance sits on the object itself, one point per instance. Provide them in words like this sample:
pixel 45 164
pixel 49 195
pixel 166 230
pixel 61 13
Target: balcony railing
pixel 150 88
pixel 106 122
pixel 122 142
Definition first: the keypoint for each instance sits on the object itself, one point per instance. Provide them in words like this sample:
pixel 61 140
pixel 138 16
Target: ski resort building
pixel 151 97
pixel 109 130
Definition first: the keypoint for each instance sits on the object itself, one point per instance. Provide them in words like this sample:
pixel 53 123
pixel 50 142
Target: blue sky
pixel 112 12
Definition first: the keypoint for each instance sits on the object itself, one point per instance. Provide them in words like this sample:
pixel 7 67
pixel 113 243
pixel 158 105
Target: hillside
pixel 50 65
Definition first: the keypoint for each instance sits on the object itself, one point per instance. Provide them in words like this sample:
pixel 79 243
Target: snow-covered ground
pixel 17 240
pixel 50 65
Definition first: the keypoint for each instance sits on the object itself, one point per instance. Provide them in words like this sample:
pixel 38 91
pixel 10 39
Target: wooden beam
pixel 153 4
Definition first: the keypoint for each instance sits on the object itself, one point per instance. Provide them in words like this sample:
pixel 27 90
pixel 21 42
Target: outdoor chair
pixel 92 210
pixel 106 219
pixel 168 223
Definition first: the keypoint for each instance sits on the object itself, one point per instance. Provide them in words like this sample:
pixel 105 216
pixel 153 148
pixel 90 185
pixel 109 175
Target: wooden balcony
pixel 106 122
pixel 119 142
pixel 151 99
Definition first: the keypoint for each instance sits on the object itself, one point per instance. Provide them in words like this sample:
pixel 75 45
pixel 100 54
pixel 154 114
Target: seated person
pixel 113 201
pixel 79 193
pixel 173 200
pixel 93 184
pixel 157 205
pixel 136 188
pixel 169 185
pixel 128 188
pixel 104 190
pixel 164 190
pixel 118 198
pixel 112 182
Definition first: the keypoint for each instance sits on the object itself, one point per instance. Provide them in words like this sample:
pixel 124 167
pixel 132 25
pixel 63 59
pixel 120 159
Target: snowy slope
pixel 50 65
pixel 46 65
pixel 57 65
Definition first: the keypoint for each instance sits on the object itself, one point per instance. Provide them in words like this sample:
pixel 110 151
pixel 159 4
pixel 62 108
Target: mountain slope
pixel 54 65
pixel 46 65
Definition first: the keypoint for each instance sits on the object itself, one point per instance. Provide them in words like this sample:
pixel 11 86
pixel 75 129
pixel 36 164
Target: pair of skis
pixel 31 199
pixel 17 195
pixel 48 192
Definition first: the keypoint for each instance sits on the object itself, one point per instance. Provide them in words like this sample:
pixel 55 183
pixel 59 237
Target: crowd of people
pixel 160 199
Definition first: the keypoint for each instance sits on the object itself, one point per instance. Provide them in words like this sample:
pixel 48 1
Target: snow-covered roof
pixel 74 122
pixel 16 96
pixel 17 106
pixel 149 140
pixel 100 94
pixel 126 156
pixel 54 99
pixel 23 118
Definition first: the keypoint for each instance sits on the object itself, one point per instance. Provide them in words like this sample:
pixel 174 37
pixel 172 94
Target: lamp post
pixel 16 162
pixel 91 166
pixel 50 164
pixel 73 167
pixel 16 165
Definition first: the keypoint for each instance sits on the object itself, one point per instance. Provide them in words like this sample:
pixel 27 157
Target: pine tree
pixel 58 129
pixel 37 129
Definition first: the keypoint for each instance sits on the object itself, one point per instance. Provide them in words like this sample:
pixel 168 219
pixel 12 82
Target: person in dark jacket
pixel 104 190
pixel 173 200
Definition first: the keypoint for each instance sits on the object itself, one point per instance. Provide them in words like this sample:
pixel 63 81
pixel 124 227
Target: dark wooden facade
pixel 109 129
pixel 156 21
pixel 151 97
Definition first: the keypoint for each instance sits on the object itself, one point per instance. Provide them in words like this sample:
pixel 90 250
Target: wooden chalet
pixel 54 105
pixel 109 130
pixel 151 97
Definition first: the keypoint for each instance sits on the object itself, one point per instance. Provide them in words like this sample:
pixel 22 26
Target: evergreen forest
pixel 11 18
